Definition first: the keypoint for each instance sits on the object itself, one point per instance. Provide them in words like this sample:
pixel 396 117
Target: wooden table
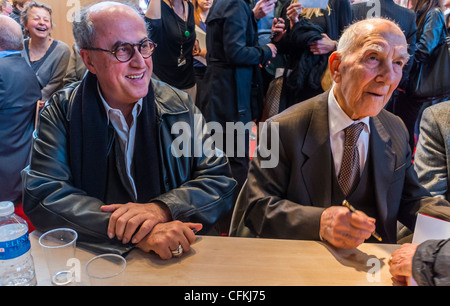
pixel 231 261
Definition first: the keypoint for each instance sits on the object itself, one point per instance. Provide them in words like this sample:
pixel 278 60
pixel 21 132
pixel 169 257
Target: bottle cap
pixel 6 208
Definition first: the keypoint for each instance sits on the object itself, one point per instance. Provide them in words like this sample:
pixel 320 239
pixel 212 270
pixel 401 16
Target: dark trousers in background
pixel 239 160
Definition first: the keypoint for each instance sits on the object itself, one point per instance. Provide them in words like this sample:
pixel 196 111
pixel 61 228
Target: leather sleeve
pixel 50 200
pixel 431 263
pixel 431 35
pixel 204 192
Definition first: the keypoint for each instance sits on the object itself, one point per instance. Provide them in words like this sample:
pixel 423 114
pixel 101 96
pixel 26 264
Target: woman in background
pixel 312 34
pixel 46 56
pixel 172 28
pixel 431 32
pixel 201 10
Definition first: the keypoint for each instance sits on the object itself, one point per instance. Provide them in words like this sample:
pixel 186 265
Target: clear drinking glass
pixel 59 248
pixel 106 270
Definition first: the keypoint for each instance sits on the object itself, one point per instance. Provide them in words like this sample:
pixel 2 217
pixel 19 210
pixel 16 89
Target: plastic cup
pixel 106 270
pixel 59 248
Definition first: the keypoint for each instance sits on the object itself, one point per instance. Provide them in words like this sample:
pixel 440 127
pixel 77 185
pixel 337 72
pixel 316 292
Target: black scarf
pixel 89 147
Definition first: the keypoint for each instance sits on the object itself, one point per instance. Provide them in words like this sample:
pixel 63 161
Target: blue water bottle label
pixel 14 248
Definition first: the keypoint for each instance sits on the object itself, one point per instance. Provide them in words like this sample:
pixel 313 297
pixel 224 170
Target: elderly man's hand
pixel 166 237
pixel 128 218
pixel 345 229
pixel 401 261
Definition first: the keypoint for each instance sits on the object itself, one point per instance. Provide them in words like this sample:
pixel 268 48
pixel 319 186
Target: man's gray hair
pixel 84 30
pixel 11 38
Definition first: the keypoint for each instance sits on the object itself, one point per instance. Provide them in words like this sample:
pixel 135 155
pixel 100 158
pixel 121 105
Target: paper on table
pixel 428 228
pixel 322 4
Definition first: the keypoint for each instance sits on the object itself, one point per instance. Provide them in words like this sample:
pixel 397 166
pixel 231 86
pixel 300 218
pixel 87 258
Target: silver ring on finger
pixel 178 252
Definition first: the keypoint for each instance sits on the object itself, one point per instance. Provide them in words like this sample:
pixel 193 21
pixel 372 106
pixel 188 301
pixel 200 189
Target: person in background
pixel 76 69
pixel 399 103
pixel 18 6
pixel 47 56
pixel 428 263
pixel 447 14
pixel 341 145
pixel 172 27
pixel 201 10
pixel 17 112
pixel 232 89
pixel 104 161
pixel 431 32
pixel 5 7
pixel 311 36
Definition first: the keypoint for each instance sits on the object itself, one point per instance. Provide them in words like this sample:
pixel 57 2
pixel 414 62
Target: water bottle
pixel 16 262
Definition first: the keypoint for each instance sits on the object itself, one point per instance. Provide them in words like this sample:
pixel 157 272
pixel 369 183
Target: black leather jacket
pixel 430 35
pixel 198 189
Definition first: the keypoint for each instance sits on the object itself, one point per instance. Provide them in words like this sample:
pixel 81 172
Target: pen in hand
pixel 352 209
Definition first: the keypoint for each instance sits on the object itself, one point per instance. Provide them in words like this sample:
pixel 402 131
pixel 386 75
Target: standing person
pixel 406 19
pixel 17 112
pixel 233 85
pixel 431 32
pixel 47 56
pixel 172 28
pixel 5 7
pixel 311 36
pixel 201 10
pixel 18 6
pixel 447 13
pixel 102 160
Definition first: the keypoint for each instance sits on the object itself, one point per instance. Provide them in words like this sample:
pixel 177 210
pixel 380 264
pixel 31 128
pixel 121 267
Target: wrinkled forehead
pixel 382 38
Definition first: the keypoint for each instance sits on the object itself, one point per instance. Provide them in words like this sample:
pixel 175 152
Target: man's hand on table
pixel 150 227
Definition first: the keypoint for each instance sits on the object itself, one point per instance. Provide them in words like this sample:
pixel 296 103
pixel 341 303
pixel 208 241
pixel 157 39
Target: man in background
pixel 18 102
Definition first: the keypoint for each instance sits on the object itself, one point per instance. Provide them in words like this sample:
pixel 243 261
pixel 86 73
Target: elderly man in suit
pixel 323 161
pixel 17 110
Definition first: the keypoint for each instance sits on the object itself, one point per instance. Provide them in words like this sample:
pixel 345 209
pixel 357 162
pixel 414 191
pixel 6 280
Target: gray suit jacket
pixel 431 159
pixel 287 201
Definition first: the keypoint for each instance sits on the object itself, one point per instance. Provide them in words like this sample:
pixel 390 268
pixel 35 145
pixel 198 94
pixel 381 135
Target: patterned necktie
pixel 349 173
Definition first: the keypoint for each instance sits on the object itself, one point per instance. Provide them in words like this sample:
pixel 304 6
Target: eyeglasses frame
pixel 139 44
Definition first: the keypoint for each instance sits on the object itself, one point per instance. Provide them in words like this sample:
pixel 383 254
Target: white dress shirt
pixel 338 120
pixel 126 134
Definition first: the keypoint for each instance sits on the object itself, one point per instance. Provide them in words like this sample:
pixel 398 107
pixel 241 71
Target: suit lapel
pixel 317 168
pixel 384 162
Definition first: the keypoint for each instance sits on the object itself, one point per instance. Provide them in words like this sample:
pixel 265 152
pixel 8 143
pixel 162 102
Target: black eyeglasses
pixel 125 51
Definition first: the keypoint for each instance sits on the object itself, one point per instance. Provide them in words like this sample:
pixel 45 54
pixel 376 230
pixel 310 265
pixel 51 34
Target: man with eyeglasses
pixel 101 158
